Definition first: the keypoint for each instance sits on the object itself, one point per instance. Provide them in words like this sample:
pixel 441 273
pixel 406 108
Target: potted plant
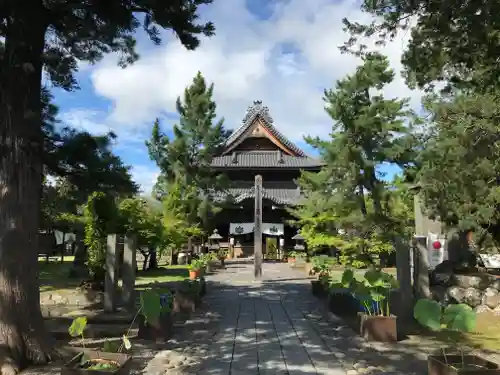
pixel 221 255
pixel 111 359
pixel 155 318
pixel 195 269
pixel 97 362
pixel 209 260
pixel 321 266
pixel 341 299
pixel 457 317
pixel 376 321
pixel 290 258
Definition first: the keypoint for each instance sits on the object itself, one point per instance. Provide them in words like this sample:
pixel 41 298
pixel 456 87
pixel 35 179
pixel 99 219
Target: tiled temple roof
pixel 279 193
pixel 258 158
pixel 264 159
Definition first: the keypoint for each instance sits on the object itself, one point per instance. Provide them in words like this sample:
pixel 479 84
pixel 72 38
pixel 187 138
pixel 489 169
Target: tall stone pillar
pixel 258 228
pixel 128 271
pixel 111 278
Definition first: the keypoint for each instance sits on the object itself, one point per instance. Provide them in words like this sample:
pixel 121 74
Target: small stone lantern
pixel 299 241
pixel 214 240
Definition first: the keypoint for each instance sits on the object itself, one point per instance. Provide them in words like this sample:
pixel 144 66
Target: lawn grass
pixel 486 335
pixel 54 275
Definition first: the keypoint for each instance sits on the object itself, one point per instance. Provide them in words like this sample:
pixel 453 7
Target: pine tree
pixel 186 158
pixel 368 131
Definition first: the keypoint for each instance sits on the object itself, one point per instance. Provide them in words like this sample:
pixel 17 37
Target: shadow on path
pixel 276 326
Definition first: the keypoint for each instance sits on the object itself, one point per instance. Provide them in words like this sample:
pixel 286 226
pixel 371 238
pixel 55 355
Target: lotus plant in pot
pixel 341 298
pixel 449 361
pixel 376 321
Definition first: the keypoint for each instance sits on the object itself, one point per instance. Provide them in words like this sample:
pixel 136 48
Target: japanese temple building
pixel 258 148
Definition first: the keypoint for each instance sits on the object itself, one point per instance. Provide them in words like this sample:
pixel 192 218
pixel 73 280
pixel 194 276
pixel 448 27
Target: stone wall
pixel 481 291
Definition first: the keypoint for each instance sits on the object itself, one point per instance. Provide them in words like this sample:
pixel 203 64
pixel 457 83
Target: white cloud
pixel 145 176
pixel 285 61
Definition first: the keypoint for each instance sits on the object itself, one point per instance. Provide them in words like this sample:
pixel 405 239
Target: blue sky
pixel 284 53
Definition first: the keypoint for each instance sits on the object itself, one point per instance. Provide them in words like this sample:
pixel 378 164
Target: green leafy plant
pixel 321 265
pixel 297 254
pixel 151 308
pixel 222 253
pixel 196 265
pixel 205 258
pixel 457 317
pixel 373 291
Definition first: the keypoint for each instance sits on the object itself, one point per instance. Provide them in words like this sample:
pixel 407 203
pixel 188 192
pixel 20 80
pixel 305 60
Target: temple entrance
pixel 271 252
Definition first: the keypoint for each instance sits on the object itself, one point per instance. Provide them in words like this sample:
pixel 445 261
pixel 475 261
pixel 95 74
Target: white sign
pixel 282 242
pixel 241 228
pixel 435 256
pixel 271 229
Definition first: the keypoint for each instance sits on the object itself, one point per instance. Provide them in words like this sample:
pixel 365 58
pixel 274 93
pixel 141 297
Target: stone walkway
pixel 274 326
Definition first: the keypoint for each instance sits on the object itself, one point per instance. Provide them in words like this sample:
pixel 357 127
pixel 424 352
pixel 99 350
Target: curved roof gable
pixel 261 112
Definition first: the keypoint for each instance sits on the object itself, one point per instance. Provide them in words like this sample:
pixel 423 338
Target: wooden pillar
pixel 258 228
pixel 128 271
pixel 420 229
pixel 111 279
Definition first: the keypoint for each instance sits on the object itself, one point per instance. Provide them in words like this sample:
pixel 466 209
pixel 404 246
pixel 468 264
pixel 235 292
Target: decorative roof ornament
pixel 257 109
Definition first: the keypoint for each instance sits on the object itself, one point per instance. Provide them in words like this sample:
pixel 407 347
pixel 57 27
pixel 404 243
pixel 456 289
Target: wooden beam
pixel 258 228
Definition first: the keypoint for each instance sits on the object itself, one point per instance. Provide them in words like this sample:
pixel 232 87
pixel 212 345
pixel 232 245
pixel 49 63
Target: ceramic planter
pixel 163 330
pixel 457 364
pixel 73 366
pixel 194 274
pixel 341 302
pixel 290 260
pixel 209 267
pixel 378 327
pixel 318 289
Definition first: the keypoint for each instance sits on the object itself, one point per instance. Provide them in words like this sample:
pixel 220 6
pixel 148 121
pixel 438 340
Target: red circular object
pixel 436 245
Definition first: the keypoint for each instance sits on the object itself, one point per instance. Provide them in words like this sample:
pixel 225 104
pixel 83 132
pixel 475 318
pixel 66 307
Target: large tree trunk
pixel 23 338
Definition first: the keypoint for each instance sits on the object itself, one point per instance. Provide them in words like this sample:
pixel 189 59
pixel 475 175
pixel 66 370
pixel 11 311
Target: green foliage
pixel 138 218
pixel 450 40
pixel 431 314
pixel 100 215
pixel 297 254
pixel 375 286
pixel 459 166
pixel 322 264
pixel 176 225
pixel 348 206
pixel 151 307
pixel 197 264
pixel 77 327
